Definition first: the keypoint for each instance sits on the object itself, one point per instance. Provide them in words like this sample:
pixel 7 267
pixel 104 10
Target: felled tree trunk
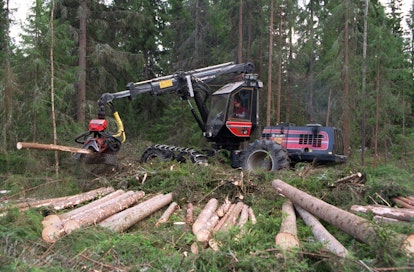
pixel 321 234
pixel 346 221
pixel 395 213
pixel 287 237
pixel 127 218
pixel 21 145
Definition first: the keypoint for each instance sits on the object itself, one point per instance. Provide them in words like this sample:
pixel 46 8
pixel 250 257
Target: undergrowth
pixel 144 247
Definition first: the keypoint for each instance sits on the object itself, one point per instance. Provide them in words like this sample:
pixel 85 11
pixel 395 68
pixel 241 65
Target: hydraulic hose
pixel 121 132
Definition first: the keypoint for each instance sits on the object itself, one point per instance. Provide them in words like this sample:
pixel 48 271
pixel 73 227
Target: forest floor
pixel 144 247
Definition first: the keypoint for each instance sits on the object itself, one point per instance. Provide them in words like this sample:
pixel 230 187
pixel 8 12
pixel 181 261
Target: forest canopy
pixel 341 63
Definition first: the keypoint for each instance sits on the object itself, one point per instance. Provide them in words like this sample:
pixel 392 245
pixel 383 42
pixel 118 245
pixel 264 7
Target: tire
pixel 264 155
pixel 155 154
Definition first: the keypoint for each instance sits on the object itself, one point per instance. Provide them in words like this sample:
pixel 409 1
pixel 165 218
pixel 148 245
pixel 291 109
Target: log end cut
pixel 51 234
pixel 408 245
pixel 286 240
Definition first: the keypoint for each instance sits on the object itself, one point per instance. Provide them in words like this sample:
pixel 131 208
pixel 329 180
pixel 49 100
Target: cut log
pixel 224 218
pixel 127 218
pixel 354 178
pixel 322 234
pixel 387 220
pixel 91 205
pixel 356 226
pixel 60 203
pixel 395 213
pixel 80 198
pixel 97 214
pixel 233 215
pixel 203 234
pixel 189 217
pixel 205 215
pixel 221 211
pixel 244 215
pixel 25 145
pixel 167 214
pixel 403 202
pixel 407 200
pixel 252 217
pixel 287 237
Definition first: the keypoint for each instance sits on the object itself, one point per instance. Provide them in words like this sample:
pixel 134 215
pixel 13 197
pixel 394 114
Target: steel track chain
pixel 196 157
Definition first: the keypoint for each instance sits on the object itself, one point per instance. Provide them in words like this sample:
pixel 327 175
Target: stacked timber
pixel 214 217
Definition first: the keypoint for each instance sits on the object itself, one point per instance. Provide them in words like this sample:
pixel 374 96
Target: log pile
pixel 214 217
pixel 118 211
pixel 310 208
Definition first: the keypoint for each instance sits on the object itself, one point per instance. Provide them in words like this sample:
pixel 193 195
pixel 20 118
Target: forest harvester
pixel 227 116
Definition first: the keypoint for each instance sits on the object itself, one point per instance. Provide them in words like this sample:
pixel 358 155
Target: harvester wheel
pixel 152 154
pixel 266 155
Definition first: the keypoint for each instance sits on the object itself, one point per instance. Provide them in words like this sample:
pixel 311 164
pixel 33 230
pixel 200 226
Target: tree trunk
pixel 127 218
pixel 364 83
pixel 287 237
pixel 269 68
pixel 24 145
pixel 52 85
pixel 346 221
pixel 240 27
pixel 396 213
pixel 352 224
pixel 346 115
pixel 321 234
pixel 80 113
pixel 279 66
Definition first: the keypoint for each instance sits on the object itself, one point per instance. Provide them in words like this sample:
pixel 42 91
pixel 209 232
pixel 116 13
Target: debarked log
pixel 25 145
pixel 322 234
pixel 127 218
pixel 356 226
pixel 395 213
pixel 287 237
